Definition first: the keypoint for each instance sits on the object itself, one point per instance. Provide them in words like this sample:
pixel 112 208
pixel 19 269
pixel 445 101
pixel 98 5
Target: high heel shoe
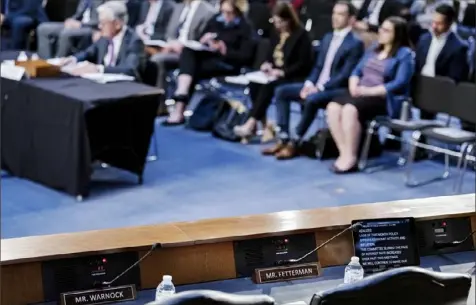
pixel 244 133
pixel 269 133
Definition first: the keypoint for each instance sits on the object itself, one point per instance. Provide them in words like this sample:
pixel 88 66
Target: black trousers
pixel 261 97
pixel 204 64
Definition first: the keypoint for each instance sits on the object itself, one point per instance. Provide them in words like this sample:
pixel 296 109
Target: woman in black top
pixel 228 35
pixel 290 60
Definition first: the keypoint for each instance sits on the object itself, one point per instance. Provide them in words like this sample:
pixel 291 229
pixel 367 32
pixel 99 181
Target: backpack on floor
pixel 231 113
pixel 205 105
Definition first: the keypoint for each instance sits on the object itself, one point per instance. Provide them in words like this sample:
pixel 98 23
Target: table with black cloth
pixel 53 129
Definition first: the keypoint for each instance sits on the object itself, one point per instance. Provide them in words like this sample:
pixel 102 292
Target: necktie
pixel 112 57
pixel 331 52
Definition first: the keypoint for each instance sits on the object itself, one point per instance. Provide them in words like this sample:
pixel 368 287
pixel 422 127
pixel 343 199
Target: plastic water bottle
pixel 354 271
pixel 165 289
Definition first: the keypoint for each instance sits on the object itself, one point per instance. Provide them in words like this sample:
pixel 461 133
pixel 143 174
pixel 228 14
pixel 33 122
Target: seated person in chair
pixel 378 86
pixel 118 51
pixel 76 29
pixel 228 36
pixel 153 19
pixel 288 61
pixel 21 16
pixel 340 52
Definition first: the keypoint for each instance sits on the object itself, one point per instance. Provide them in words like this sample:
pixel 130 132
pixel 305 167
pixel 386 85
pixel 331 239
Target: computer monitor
pixel 386 243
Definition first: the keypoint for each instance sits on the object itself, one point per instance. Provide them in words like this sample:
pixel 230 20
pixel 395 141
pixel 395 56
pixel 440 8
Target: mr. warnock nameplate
pixel 99 296
pixel 285 273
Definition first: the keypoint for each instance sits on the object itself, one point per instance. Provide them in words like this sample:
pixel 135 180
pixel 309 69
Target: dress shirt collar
pixel 342 32
pixel 117 40
pixel 442 37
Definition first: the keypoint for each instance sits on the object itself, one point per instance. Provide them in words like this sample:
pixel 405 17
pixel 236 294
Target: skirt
pixel 368 107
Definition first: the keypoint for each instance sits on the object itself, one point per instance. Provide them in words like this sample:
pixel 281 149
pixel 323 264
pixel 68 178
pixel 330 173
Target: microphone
pixel 353 227
pixel 152 248
pixel 451 244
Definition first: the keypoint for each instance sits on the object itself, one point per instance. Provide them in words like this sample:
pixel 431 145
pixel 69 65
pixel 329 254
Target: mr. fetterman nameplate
pixel 99 296
pixel 286 273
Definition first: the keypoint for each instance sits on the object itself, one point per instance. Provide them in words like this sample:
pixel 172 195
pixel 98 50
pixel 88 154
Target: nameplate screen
pixel 99 296
pixel 382 244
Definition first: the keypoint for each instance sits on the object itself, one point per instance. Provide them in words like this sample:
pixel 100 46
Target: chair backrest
pixel 401 286
pixel 433 94
pixel 463 104
pixel 210 297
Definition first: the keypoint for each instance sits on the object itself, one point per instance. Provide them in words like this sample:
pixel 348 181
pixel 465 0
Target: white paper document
pixel 155 43
pixel 12 72
pixel 54 61
pixel 259 77
pixel 104 78
pixel 195 45
pixel 238 80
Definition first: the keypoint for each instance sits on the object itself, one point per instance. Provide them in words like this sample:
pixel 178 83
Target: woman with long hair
pixel 378 86
pixel 290 60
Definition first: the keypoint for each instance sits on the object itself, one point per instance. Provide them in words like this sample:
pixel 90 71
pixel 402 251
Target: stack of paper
pixel 104 78
pixel 195 45
pixel 238 80
pixel 155 43
pixel 259 77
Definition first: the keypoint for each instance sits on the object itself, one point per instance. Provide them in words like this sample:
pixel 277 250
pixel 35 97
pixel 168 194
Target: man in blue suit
pixel 339 54
pixel 118 51
pixel 20 16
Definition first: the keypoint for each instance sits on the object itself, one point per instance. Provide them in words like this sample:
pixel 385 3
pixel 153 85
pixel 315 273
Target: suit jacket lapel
pixel 144 12
pixel 103 45
pixel 341 49
pixel 124 44
pixel 195 19
pixel 446 48
pixel 174 21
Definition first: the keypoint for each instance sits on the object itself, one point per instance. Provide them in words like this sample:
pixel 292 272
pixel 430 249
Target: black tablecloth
pixel 53 129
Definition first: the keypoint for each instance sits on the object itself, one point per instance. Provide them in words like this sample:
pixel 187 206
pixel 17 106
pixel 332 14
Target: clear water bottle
pixel 165 289
pixel 354 271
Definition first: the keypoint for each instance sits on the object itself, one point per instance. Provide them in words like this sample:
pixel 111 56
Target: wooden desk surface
pixel 38 248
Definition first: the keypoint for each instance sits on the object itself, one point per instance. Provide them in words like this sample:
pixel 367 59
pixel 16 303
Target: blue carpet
pixel 197 177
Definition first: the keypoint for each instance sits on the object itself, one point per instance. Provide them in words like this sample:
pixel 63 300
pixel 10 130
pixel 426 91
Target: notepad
pixel 155 43
pixel 259 77
pixel 196 46
pixel 104 78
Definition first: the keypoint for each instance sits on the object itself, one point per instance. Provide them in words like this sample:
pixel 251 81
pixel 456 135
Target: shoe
pixel 244 133
pixel 269 133
pixel 273 150
pixel 338 171
pixel 289 151
pixel 169 123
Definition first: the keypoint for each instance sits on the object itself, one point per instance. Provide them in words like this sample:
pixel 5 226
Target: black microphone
pixel 353 227
pixel 451 244
pixel 152 248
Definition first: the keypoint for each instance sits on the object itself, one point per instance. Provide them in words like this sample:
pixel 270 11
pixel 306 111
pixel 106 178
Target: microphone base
pixel 286 273
pixel 99 296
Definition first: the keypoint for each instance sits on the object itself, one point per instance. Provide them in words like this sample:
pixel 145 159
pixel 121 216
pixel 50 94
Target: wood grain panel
pixel 190 264
pixel 336 253
pixel 22 284
pixel 37 248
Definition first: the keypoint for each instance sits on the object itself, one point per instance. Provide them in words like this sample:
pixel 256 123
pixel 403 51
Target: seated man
pixel 186 23
pixel 441 52
pixel 340 53
pixel 20 16
pixel 76 29
pixel 153 19
pixel 119 50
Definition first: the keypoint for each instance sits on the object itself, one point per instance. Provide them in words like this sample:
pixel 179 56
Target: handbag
pixel 206 105
pixel 231 113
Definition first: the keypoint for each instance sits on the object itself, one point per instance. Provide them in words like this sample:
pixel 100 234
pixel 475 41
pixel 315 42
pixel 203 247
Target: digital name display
pixel 382 244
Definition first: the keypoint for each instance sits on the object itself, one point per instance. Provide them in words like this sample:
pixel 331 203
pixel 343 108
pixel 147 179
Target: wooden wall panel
pixel 189 264
pixel 338 252
pixel 22 284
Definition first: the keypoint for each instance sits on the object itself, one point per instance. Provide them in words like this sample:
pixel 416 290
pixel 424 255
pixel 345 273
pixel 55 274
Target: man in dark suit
pixel 339 54
pixel 154 18
pixel 20 16
pixel 75 31
pixel 119 50
pixel 441 52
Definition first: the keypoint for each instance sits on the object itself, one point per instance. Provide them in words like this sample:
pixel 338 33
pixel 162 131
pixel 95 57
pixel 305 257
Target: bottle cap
pixel 167 278
pixel 354 259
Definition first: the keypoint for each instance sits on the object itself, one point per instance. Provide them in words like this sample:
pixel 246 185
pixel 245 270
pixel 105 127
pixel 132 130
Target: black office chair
pixel 432 95
pixel 210 297
pixel 402 286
